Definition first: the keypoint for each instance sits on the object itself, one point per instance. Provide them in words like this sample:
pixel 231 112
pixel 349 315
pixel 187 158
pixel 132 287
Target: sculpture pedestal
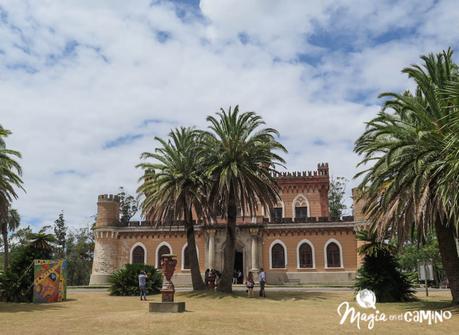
pixel 167 307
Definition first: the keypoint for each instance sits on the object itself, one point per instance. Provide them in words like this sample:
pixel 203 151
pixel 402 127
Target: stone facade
pixel 277 243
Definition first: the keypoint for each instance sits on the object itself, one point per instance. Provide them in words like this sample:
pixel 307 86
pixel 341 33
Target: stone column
pixel 254 249
pixel 211 233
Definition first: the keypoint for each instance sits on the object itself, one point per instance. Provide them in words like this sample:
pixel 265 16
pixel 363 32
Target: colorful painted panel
pixel 49 280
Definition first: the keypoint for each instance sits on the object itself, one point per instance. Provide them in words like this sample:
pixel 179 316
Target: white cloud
pixel 76 76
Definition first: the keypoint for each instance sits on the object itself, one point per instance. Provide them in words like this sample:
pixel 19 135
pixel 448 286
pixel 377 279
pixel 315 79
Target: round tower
pixel 108 210
pixel 106 239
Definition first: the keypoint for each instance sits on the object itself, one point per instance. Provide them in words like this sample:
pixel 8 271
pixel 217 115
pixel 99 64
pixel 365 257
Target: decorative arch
pixel 162 244
pixel 298 256
pixel 273 244
pixel 341 260
pixel 131 253
pixel 183 256
pixel 300 201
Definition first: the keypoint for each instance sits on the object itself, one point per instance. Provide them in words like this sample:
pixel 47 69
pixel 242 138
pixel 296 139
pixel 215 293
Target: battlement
pixel 322 170
pixel 108 197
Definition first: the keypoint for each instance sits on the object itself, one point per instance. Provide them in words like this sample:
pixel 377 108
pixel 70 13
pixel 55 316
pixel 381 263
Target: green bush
pixel 380 273
pixel 125 281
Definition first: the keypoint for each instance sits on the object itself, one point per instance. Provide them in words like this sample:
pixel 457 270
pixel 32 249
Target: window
pixel 186 259
pixel 277 213
pixel 305 256
pixel 301 212
pixel 163 250
pixel 277 256
pixel 333 255
pixel 138 255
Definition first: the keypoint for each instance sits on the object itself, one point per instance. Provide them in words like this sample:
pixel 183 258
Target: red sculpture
pixel 168 263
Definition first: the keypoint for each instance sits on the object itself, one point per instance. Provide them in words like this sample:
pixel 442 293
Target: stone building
pixel 296 243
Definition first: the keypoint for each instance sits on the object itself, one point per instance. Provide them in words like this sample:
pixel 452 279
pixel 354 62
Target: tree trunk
pixel 196 278
pixel 226 281
pixel 5 248
pixel 449 257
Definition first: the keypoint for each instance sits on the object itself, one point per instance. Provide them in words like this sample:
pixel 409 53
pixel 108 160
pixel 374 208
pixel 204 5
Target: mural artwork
pixel 49 280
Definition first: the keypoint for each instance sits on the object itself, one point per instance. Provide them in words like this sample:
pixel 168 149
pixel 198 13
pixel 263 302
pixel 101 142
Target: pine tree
pixel 128 206
pixel 336 197
pixel 60 231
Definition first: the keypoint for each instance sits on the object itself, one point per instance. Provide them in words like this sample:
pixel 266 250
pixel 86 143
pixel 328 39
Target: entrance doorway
pixel 239 266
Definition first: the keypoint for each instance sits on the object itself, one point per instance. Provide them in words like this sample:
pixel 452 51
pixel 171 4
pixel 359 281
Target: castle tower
pixel 106 239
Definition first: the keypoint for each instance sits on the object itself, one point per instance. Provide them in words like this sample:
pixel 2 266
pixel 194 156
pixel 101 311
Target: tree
pixel 42 241
pixel 412 145
pixel 60 231
pixel 9 224
pixel 128 206
pixel 380 271
pixel 336 197
pixel 79 256
pixel 240 162
pixel 10 178
pixel 174 185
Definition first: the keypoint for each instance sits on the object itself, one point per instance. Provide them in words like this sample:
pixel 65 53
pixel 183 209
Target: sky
pixel 86 85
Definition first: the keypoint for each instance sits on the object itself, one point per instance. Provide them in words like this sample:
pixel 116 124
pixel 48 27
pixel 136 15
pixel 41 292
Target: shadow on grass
pixel 15 307
pixel 277 296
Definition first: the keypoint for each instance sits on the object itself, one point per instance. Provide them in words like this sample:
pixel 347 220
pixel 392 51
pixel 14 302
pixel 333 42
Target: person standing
pixel 250 283
pixel 143 285
pixel 262 280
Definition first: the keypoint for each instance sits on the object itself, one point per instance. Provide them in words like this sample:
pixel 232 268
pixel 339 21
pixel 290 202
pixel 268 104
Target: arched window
pixel 300 207
pixel 306 256
pixel 138 255
pixel 277 256
pixel 163 250
pixel 333 255
pixel 186 259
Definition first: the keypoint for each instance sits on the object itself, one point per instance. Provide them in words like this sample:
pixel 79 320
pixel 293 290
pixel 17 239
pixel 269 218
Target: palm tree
pixel 412 182
pixel 174 185
pixel 42 242
pixel 10 177
pixel 9 224
pixel 240 161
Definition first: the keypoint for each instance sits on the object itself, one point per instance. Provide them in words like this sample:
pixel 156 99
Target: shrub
pixel 125 281
pixel 380 273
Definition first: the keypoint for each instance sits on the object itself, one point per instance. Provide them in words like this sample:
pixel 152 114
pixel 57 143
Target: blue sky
pixel 85 86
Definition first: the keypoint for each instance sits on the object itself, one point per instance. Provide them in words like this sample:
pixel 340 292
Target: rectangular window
pixel 277 213
pixel 301 212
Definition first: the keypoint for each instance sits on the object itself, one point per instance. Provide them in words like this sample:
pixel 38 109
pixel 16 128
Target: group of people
pixel 211 278
pixel 250 283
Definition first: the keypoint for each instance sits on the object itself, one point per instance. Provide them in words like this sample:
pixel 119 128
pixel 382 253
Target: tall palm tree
pixel 412 146
pixel 10 178
pixel 9 224
pixel 174 185
pixel 241 162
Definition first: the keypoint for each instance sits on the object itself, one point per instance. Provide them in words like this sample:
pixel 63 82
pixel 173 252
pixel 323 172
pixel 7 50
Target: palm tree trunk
pixel 5 248
pixel 449 256
pixel 196 278
pixel 226 281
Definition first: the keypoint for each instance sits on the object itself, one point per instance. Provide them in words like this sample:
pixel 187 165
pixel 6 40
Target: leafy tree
pixel 9 223
pixel 417 253
pixel 60 231
pixel 79 256
pixel 173 185
pixel 336 194
pixel 125 281
pixel 380 270
pixel 10 178
pixel 412 147
pixel 240 161
pixel 128 206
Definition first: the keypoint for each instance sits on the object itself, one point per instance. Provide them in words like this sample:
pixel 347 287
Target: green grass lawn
pixel 280 313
